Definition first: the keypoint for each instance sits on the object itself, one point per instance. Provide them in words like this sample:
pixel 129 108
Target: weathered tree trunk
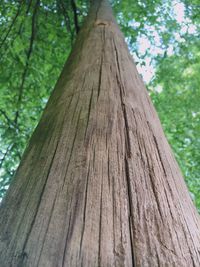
pixel 98 185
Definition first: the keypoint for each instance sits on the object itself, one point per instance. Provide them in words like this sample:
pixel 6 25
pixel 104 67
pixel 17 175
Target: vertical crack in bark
pixel 153 186
pixel 89 111
pixel 100 224
pixel 108 166
pixel 157 148
pixel 37 209
pixel 72 147
pixel 118 65
pixel 113 211
pixel 127 135
pixel 66 240
pixel 159 154
pixel 100 76
pixel 128 149
pixel 122 94
pixel 137 138
pixel 70 231
pixel 101 62
pixel 84 209
pixel 128 181
pixel 48 223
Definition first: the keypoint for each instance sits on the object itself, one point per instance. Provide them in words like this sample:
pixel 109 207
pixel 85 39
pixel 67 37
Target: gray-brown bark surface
pixel 98 185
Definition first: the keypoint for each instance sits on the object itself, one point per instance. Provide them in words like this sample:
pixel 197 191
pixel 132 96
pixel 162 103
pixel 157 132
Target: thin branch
pixel 67 21
pixel 74 8
pixel 10 122
pixel 26 13
pixel 33 30
pixel 9 148
pixel 6 116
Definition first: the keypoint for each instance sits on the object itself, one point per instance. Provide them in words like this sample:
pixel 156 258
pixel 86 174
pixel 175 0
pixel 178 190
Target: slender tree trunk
pixel 98 185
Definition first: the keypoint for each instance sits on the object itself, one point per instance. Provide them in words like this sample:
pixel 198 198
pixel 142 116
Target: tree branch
pixel 33 30
pixel 67 21
pixel 74 8
pixel 10 122
pixel 9 148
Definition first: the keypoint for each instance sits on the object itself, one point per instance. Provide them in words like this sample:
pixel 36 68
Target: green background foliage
pixel 36 37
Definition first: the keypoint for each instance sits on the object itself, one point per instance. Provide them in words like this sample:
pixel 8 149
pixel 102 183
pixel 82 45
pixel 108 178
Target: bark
pixel 98 184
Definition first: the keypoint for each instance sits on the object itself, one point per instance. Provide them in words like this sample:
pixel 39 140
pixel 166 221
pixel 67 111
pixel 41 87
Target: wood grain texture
pixel 98 184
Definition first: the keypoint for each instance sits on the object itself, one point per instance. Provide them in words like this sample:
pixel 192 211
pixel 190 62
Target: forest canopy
pixel 163 36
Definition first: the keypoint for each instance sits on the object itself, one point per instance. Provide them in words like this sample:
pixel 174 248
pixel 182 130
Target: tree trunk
pixel 98 184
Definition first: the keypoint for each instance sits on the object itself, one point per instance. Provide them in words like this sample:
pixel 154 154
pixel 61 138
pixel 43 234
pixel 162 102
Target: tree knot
pixel 101 23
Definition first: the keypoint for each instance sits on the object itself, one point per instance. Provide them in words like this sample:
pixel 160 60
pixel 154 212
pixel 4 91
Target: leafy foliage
pixel 37 37
pixel 178 106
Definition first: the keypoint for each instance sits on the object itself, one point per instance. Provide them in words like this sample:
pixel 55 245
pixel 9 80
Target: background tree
pixel 36 37
pixel 98 184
